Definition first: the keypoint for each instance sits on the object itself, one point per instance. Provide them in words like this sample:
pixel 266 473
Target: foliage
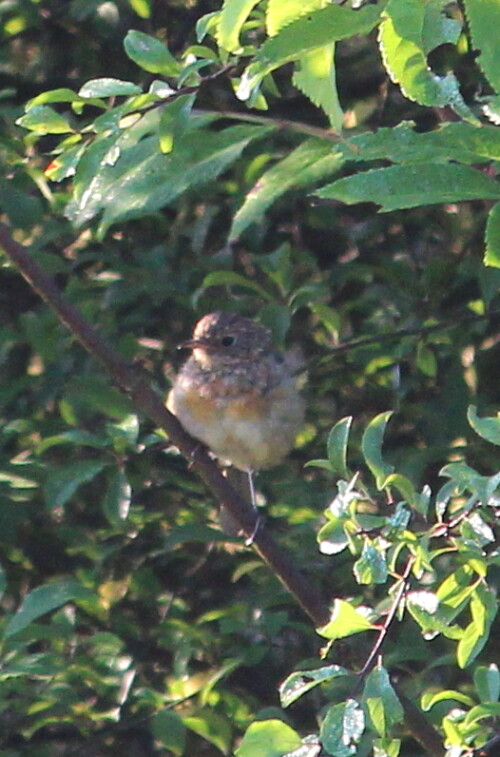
pixel 161 159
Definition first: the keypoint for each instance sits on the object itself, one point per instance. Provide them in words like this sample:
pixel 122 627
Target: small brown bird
pixel 237 394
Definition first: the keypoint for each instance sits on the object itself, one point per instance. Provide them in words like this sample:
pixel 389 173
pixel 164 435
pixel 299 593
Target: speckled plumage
pixel 236 393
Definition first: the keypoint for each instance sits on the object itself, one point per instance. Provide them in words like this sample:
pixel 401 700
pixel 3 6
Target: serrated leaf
pixel 487 682
pixel 233 15
pixel 315 78
pixel 483 17
pixel 342 728
pixel 401 40
pixel 44 120
pixel 312 161
pixel 298 683
pixel 336 446
pixel 62 482
pixel 492 252
pixel 346 621
pixel 316 29
pixel 268 738
pixel 460 142
pixel 371 446
pixel 399 187
pixel 150 54
pixel 279 13
pixel 108 87
pixel 45 599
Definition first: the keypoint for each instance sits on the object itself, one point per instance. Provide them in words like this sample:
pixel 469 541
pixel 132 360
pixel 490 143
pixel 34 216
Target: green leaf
pixel 336 446
pixel 386 747
pixel 174 120
pixel 487 428
pixel 268 738
pixel 402 44
pixel 430 698
pixel 371 446
pixel 316 29
pixel 230 279
pixel 371 568
pixel 170 731
pixel 298 683
pixel 61 95
pixel 279 13
pixel 312 161
pixel 492 252
pixel 45 599
pixel 315 77
pixel 107 87
pixel 231 19
pixel 381 702
pixel 116 503
pixel 44 120
pixel 483 610
pixel 141 7
pixel 487 682
pixel 150 54
pixel 62 482
pixel 481 711
pixel 458 142
pixel 346 621
pixel 483 17
pixel 342 728
pixel 412 186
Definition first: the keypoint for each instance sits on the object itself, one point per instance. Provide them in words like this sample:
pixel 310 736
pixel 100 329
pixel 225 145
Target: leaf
pixel 63 481
pixel 336 446
pixel 268 738
pixel 401 40
pixel 371 568
pixel 116 503
pixel 315 77
pixel 487 682
pixel 170 731
pixel 492 252
pixel 483 610
pixel 150 54
pixel 233 15
pixel 312 161
pixel 298 683
pixel 346 621
pixel 483 17
pixel 231 278
pixel 44 120
pixel 141 7
pixel 371 446
pixel 412 186
pixel 381 701
pixel 342 728
pixel 107 87
pixel 487 428
pixel 174 120
pixel 459 142
pixel 429 699
pixel 45 599
pixel 308 32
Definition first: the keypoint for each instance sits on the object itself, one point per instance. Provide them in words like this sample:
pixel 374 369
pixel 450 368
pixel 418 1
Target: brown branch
pixel 133 382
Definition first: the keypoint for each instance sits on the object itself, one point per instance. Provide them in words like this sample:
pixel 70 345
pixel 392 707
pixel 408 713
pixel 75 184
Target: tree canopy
pixel 329 169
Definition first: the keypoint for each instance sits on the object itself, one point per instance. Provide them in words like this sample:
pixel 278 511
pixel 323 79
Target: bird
pixel 237 393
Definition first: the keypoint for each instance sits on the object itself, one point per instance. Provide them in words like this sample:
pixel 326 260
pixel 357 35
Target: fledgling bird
pixel 237 394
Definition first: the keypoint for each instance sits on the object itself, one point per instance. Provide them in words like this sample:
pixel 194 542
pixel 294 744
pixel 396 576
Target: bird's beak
pixel 191 344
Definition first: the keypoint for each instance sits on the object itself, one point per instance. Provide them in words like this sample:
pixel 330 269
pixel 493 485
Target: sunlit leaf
pixel 302 681
pixel 346 621
pixel 150 54
pixel 342 728
pixel 268 738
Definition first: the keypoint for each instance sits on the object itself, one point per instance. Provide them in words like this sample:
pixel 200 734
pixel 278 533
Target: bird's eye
pixel 227 341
